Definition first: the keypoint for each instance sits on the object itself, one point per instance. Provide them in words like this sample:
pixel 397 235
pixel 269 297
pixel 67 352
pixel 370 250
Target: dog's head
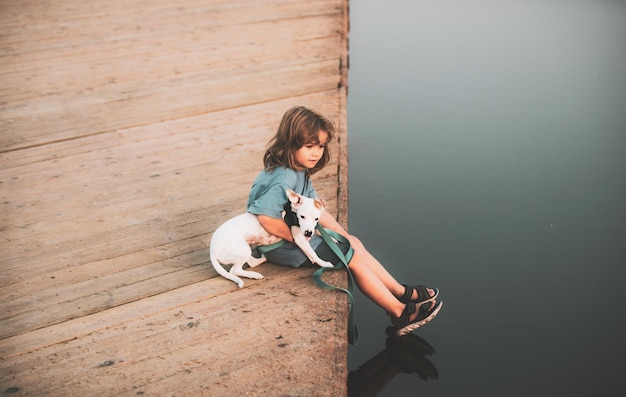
pixel 307 210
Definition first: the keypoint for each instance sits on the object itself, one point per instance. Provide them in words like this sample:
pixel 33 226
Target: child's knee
pixel 355 242
pixel 355 261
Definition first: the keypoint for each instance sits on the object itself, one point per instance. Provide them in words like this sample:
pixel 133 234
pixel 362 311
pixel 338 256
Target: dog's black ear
pixel 291 218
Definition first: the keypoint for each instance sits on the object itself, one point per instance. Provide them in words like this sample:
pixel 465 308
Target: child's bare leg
pixel 372 286
pixel 379 270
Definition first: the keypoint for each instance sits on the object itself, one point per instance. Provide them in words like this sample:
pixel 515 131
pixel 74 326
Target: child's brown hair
pixel 300 126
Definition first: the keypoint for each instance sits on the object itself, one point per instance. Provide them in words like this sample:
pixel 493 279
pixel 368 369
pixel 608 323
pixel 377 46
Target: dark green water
pixel 487 144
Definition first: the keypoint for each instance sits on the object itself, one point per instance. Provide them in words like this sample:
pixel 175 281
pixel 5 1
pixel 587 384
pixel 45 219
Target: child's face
pixel 310 154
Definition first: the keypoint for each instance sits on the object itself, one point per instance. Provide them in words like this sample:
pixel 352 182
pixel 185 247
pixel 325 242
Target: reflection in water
pixel 487 150
pixel 405 354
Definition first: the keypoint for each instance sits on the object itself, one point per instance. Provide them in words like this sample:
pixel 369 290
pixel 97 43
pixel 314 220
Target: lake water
pixel 487 144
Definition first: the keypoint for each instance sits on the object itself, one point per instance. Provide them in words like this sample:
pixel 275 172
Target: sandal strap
pixel 405 317
pixel 423 316
pixel 408 293
pixel 422 294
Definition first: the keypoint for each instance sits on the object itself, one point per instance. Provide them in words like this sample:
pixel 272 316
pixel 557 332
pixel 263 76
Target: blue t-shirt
pixel 269 190
pixel 268 195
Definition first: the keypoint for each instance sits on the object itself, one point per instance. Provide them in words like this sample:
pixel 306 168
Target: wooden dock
pixel 129 130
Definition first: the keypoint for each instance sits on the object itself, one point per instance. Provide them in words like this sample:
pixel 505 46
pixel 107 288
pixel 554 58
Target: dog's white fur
pixel 232 241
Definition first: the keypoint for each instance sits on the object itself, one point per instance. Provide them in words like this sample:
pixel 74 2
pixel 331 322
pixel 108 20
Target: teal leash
pixel 328 236
pixel 262 249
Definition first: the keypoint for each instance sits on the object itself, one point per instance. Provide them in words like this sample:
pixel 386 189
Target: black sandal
pixel 404 325
pixel 422 294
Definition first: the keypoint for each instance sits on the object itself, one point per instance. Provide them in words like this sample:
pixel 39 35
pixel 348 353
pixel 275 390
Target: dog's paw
pixel 255 275
pixel 322 263
pixel 248 274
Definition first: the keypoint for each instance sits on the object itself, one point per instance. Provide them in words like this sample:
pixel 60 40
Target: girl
pixel 297 151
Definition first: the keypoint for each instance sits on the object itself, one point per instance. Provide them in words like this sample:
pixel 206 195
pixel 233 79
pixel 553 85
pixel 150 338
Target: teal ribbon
pixel 328 236
pixel 267 248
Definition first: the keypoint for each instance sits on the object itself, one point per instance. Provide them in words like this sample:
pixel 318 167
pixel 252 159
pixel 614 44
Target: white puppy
pixel 232 241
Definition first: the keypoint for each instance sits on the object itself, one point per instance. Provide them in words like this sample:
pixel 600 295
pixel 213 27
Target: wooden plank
pixel 176 98
pixel 89 96
pixel 46 337
pixel 197 338
pixel 130 131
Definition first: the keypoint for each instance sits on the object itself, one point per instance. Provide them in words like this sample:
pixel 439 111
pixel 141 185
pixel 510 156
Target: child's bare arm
pixel 331 223
pixel 276 226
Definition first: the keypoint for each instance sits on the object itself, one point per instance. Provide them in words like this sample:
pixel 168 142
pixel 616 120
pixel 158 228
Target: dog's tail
pixel 218 267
